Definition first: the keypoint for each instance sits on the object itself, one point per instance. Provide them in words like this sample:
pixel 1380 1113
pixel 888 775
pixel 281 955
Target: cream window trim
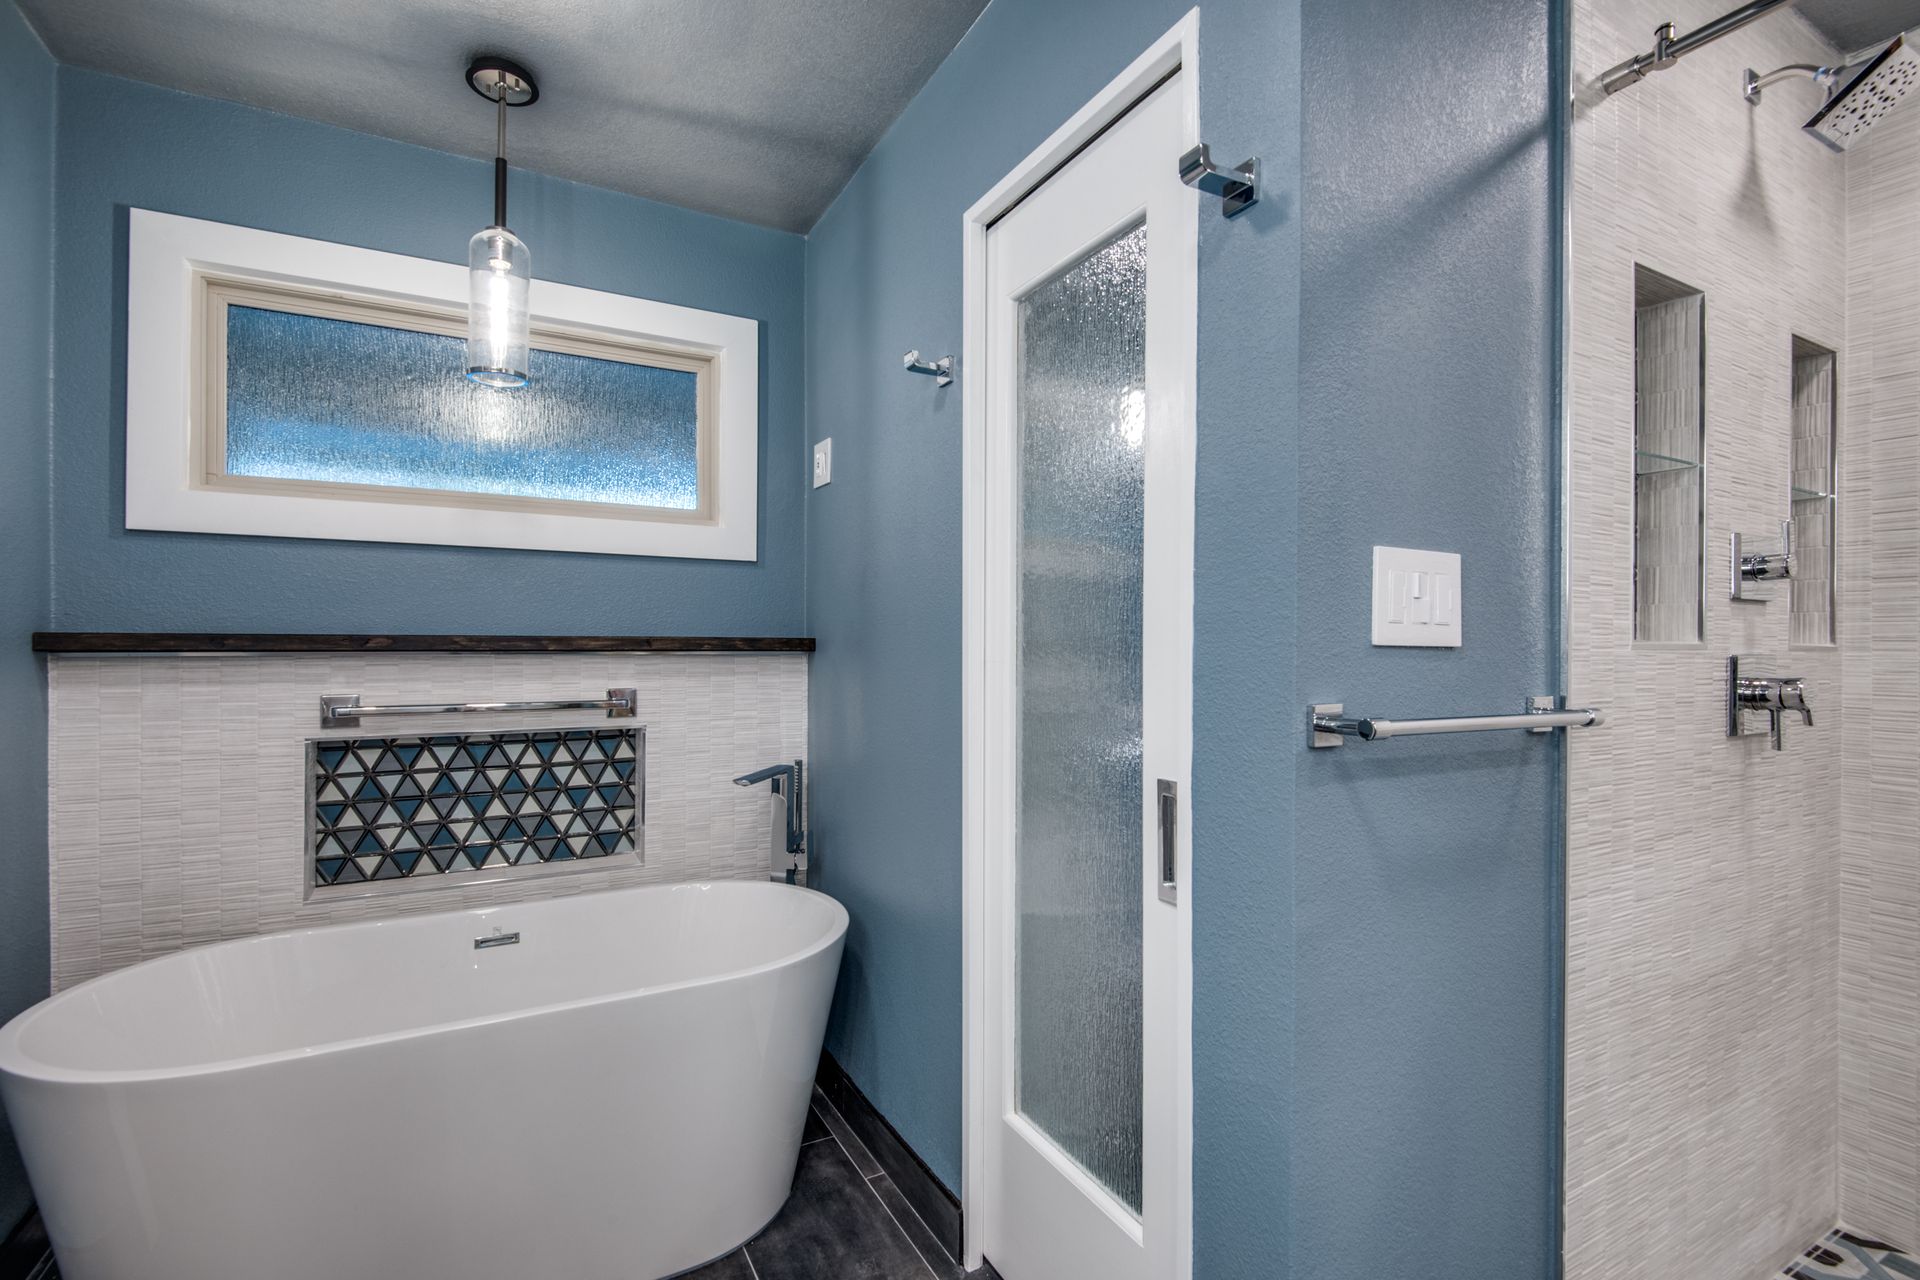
pixel 183 272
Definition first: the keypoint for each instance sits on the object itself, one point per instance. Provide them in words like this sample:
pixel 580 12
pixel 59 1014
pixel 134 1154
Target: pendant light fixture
pixel 499 268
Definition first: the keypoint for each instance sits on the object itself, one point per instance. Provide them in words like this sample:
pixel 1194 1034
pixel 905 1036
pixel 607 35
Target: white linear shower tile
pixel 1702 895
pixel 177 784
pixel 1879 989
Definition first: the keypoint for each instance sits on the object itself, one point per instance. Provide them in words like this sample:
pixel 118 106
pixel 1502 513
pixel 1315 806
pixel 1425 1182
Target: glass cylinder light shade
pixel 499 272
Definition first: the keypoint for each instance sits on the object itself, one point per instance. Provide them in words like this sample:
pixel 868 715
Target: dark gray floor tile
pixel 816 1128
pixel 922 1237
pixel 25 1252
pixel 936 1207
pixel 732 1267
pixel 856 1150
pixel 833 1228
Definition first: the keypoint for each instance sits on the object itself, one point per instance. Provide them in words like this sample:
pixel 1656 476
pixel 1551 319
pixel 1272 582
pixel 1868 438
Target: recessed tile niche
pixel 1814 401
pixel 1669 451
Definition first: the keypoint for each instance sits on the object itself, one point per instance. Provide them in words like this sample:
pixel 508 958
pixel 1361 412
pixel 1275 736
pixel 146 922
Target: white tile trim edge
pixel 164 253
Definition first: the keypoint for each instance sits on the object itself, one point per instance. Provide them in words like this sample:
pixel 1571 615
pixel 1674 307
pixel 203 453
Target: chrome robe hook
pixel 1238 189
pixel 940 370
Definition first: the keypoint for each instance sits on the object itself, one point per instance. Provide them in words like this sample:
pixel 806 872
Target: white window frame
pixel 173 260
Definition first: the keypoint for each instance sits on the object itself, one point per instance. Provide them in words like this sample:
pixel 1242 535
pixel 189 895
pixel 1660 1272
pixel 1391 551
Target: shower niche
pixel 1812 494
pixel 1669 452
pixel 1798 565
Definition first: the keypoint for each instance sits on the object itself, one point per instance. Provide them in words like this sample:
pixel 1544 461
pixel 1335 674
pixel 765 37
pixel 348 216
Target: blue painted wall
pixel 883 591
pixel 1376 1050
pixel 1426 903
pixel 72 564
pixel 26 331
pixel 1374 928
pixel 125 144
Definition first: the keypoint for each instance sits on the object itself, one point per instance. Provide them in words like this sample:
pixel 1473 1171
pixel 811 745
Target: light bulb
pixel 499 272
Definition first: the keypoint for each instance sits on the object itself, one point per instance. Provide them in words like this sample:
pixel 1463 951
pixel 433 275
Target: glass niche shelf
pixel 1809 495
pixel 1647 464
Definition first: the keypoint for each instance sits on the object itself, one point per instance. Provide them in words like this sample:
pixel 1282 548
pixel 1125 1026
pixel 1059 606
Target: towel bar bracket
pixel 1320 713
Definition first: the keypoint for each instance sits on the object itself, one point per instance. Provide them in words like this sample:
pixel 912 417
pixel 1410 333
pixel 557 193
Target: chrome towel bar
pixel 1328 723
pixel 343 711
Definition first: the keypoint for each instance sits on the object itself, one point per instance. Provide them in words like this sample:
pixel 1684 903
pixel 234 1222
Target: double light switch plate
pixel 1416 598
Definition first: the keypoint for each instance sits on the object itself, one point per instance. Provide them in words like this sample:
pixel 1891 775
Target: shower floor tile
pixel 1842 1255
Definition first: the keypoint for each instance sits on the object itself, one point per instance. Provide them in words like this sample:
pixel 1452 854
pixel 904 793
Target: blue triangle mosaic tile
pixel 398 808
pixel 1843 1255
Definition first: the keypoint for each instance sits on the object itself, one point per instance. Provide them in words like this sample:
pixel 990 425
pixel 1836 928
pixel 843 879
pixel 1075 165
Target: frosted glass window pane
pixel 1082 421
pixel 313 398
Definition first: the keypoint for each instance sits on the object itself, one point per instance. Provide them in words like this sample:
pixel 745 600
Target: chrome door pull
pixel 1169 796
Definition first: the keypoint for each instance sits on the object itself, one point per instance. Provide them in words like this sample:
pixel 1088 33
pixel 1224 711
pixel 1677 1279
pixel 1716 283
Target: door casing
pixel 1177 50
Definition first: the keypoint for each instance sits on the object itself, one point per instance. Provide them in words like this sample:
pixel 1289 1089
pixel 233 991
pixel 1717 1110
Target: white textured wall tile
pixel 1701 1068
pixel 178 786
pixel 1880 633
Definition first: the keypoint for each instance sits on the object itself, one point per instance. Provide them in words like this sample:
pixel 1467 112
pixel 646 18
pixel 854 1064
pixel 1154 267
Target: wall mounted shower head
pixel 1860 103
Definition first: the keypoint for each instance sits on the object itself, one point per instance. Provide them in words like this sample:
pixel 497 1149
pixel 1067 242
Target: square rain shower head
pixel 1859 104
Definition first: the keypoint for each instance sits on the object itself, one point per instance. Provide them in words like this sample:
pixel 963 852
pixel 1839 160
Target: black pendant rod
pixel 500 166
pixel 505 84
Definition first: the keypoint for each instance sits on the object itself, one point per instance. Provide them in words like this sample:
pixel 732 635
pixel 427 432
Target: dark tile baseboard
pixel 26 1253
pixel 936 1206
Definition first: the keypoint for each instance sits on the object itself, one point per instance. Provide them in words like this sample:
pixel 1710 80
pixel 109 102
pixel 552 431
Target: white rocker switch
pixel 1416 598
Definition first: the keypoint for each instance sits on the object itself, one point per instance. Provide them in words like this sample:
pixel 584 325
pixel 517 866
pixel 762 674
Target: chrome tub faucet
pixel 787 780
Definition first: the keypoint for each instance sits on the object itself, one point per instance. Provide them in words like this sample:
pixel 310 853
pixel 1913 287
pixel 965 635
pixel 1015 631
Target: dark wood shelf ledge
pixel 154 642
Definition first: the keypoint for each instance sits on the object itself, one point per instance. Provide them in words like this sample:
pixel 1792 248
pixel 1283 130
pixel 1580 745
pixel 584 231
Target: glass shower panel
pixel 1811 622
pixel 1669 440
pixel 1078 867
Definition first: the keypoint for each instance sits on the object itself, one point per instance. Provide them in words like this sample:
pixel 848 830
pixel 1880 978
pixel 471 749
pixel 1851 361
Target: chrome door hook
pixel 1238 188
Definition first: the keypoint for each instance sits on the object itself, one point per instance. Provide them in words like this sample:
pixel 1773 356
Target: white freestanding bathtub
pixel 618 1095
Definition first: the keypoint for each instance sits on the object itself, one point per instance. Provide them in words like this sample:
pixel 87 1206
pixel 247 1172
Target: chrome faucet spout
pixel 787 780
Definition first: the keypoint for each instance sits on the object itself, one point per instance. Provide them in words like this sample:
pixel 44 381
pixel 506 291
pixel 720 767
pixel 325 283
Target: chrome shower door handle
pixel 1169 811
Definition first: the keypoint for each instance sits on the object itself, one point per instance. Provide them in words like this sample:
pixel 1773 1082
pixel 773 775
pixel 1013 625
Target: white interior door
pixel 1083 732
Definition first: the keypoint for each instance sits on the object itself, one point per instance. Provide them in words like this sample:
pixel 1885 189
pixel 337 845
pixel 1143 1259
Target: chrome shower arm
pixel 1669 46
pixel 1754 83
